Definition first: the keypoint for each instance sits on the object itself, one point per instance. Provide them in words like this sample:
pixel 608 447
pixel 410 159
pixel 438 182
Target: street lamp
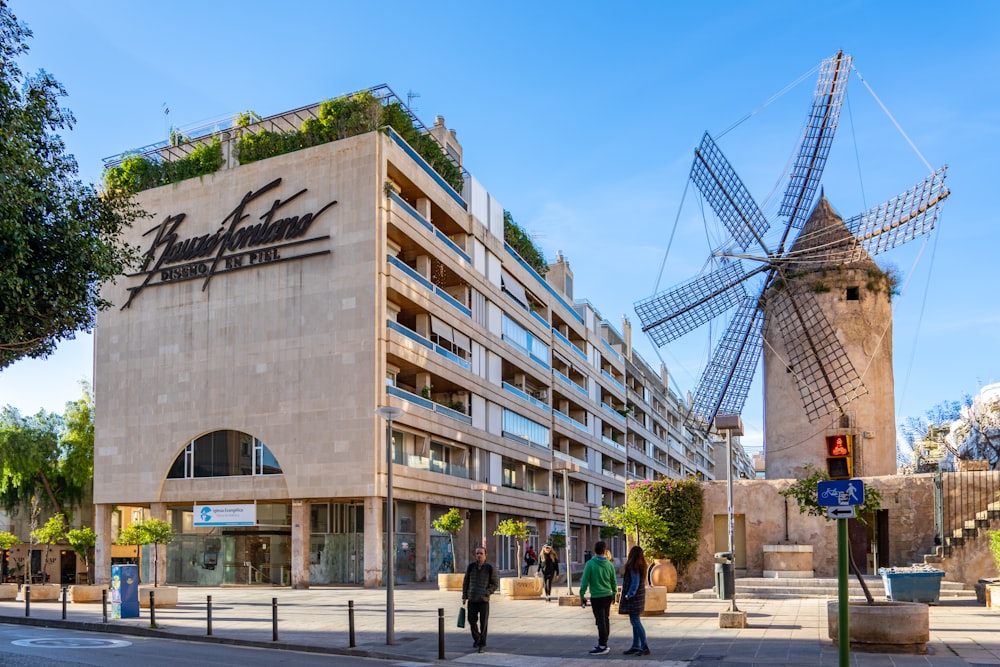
pixel 732 425
pixel 388 413
pixel 484 488
pixel 566 467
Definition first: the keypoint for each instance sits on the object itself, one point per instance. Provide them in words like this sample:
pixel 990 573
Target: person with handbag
pixel 480 582
pixel 548 565
pixel 633 600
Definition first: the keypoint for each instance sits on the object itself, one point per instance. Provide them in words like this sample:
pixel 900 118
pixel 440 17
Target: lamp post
pixel 484 488
pixel 732 425
pixel 388 413
pixel 566 468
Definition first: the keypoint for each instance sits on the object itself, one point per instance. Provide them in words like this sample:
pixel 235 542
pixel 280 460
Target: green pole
pixel 843 634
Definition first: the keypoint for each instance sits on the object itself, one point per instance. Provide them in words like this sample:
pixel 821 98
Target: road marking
pixel 71 642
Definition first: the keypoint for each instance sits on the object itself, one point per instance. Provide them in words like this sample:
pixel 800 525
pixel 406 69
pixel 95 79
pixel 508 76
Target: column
pixel 374 533
pixel 300 543
pixel 423 540
pixel 101 571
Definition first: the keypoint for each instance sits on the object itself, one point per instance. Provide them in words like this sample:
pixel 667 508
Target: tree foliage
pixel 148 531
pixel 83 541
pixel 806 494
pixel 59 239
pixel 518 239
pixel 516 530
pixel 450 522
pixel 47 456
pixel 51 532
pixel 678 506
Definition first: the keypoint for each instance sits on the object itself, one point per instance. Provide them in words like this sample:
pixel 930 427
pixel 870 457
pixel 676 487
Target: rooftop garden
pixel 339 118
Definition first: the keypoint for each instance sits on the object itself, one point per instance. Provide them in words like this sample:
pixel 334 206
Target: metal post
pixel 843 632
pixel 104 605
pixel 65 593
pixel 27 599
pixel 208 615
pixel 274 619
pixel 389 413
pixel 152 609
pixel 350 623
pixel 729 503
pixel 440 633
pixel 569 558
pixel 483 489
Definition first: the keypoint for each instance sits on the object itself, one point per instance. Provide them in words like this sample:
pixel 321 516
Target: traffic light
pixel 839 457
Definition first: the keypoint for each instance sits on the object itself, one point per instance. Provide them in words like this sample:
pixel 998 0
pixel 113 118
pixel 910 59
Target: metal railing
pixel 964 504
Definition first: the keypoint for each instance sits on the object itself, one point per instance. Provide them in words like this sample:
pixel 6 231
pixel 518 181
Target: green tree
pixel 148 531
pixel 516 530
pixel 61 238
pixel 83 541
pixel 450 522
pixel 678 505
pixel 7 540
pixel 638 521
pixel 52 532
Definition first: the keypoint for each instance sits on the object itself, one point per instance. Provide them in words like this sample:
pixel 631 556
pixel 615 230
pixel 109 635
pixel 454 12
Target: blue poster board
pixel 124 591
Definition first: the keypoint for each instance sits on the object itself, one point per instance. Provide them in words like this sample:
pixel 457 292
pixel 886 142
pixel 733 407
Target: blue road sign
pixel 839 492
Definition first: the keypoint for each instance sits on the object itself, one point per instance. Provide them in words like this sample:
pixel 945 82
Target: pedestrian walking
pixel 480 582
pixel 530 558
pixel 600 579
pixel 548 565
pixel 633 600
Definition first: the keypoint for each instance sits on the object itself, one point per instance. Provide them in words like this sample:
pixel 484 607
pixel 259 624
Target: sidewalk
pixel 789 632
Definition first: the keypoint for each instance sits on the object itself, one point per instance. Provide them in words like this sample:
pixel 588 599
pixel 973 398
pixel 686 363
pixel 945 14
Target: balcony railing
pixel 570 344
pixel 566 418
pixel 582 390
pixel 545 285
pixel 614 413
pixel 427 404
pixel 526 396
pixel 612 350
pixel 426 167
pixel 417 338
pixel 402 266
pixel 611 378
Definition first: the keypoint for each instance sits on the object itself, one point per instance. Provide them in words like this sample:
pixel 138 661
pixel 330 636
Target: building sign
pixel 278 235
pixel 225 515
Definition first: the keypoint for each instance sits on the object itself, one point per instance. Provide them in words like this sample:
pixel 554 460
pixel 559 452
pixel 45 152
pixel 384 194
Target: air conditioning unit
pixel 541 394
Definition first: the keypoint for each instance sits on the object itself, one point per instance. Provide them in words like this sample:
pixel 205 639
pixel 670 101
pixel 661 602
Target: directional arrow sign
pixel 845 512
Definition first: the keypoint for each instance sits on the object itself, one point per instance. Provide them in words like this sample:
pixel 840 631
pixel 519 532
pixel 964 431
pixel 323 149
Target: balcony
pixel 427 404
pixel 560 376
pixel 566 418
pixel 526 396
pixel 571 345
pixel 420 340
pixel 426 167
pixel 411 273
pixel 441 236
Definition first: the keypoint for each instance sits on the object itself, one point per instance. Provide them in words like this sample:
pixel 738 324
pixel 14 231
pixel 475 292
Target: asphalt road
pixel 23 646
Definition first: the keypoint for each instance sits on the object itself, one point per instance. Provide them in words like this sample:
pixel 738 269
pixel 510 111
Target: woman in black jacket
pixel 548 565
pixel 634 599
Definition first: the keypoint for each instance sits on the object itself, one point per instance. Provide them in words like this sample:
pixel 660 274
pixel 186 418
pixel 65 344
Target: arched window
pixel 224 454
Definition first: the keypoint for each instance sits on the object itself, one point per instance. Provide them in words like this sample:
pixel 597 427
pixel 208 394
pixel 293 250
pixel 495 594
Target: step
pixel 774 588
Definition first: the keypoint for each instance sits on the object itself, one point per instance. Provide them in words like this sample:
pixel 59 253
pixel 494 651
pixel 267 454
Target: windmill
pixel 754 277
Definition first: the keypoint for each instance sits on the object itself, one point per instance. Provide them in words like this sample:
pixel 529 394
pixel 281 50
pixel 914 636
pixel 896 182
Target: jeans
pixel 638 632
pixel 479 616
pixel 602 616
pixel 547 581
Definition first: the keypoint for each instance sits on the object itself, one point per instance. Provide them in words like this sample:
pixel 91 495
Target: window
pixel 853 294
pixel 224 454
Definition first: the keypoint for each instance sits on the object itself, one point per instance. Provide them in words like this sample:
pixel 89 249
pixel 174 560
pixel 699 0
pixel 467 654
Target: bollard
pixel 209 615
pixel 65 593
pixel 27 599
pixel 152 609
pixel 440 633
pixel 350 622
pixel 274 619
pixel 104 605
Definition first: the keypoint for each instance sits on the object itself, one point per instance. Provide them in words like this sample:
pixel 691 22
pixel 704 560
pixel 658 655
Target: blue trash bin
pixel 910 584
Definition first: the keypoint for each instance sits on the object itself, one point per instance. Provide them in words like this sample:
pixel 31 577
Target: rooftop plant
pixel 523 245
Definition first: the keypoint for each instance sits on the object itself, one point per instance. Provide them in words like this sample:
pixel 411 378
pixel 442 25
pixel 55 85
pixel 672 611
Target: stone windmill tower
pixel 803 287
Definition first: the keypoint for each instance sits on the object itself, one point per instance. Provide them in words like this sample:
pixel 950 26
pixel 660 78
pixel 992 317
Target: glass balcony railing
pixel 570 420
pixel 614 413
pixel 526 396
pixel 417 338
pixel 612 380
pixel 582 390
pixel 569 344
pixel 427 404
pixel 426 167
pixel 402 266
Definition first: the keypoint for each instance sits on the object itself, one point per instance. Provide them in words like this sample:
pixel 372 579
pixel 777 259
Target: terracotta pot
pixel 663 573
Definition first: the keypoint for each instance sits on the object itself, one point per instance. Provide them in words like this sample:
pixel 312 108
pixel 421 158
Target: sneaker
pixel 632 651
pixel 644 651
pixel 599 650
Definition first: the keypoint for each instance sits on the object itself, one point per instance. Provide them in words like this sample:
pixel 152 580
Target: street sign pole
pixel 843 634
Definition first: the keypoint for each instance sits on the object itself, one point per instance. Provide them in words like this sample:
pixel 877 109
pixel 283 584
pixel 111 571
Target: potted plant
pixel 450 522
pixel 155 532
pixel 83 540
pixel 8 590
pixel 53 531
pixel 518 587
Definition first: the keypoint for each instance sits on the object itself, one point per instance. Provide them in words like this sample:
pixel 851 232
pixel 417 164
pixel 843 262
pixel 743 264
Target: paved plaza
pixel 790 631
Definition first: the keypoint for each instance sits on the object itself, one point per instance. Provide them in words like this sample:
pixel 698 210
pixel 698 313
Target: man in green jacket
pixel 600 578
pixel 481 581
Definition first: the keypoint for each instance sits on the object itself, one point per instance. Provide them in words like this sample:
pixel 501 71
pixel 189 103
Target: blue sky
pixel 581 118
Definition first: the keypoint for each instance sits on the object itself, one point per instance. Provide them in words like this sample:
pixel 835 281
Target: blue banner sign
pixel 840 492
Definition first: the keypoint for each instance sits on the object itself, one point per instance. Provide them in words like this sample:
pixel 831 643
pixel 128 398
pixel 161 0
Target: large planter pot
pixel 448 581
pixel 8 591
pixel 788 561
pixel 993 596
pixel 884 627
pixel 42 592
pixel 86 592
pixel 656 601
pixel 909 584
pixel 166 596
pixel 663 573
pixel 521 588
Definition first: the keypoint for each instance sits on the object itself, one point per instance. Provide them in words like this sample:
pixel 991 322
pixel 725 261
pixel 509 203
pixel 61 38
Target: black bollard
pixel 209 615
pixel 65 593
pixel 440 633
pixel 104 605
pixel 350 622
pixel 152 609
pixel 274 619
pixel 27 599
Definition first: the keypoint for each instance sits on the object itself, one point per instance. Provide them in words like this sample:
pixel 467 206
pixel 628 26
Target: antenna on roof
pixel 410 96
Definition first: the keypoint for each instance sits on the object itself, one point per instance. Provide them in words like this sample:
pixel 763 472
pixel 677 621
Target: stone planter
pixel 42 592
pixel 993 596
pixel 8 591
pixel 521 588
pixel 662 573
pixel 656 601
pixel 788 561
pixel 884 627
pixel 166 596
pixel 86 592
pixel 450 582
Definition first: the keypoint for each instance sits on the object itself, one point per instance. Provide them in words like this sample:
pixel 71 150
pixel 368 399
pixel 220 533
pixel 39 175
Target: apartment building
pixel 282 302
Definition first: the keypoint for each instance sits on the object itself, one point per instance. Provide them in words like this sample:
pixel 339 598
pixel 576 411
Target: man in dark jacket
pixel 481 581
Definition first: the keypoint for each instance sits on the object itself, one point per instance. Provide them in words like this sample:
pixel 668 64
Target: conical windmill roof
pixel 826 241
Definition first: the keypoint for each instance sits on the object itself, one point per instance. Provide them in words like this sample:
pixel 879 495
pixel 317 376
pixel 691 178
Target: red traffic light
pixel 836 445
pixel 839 462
